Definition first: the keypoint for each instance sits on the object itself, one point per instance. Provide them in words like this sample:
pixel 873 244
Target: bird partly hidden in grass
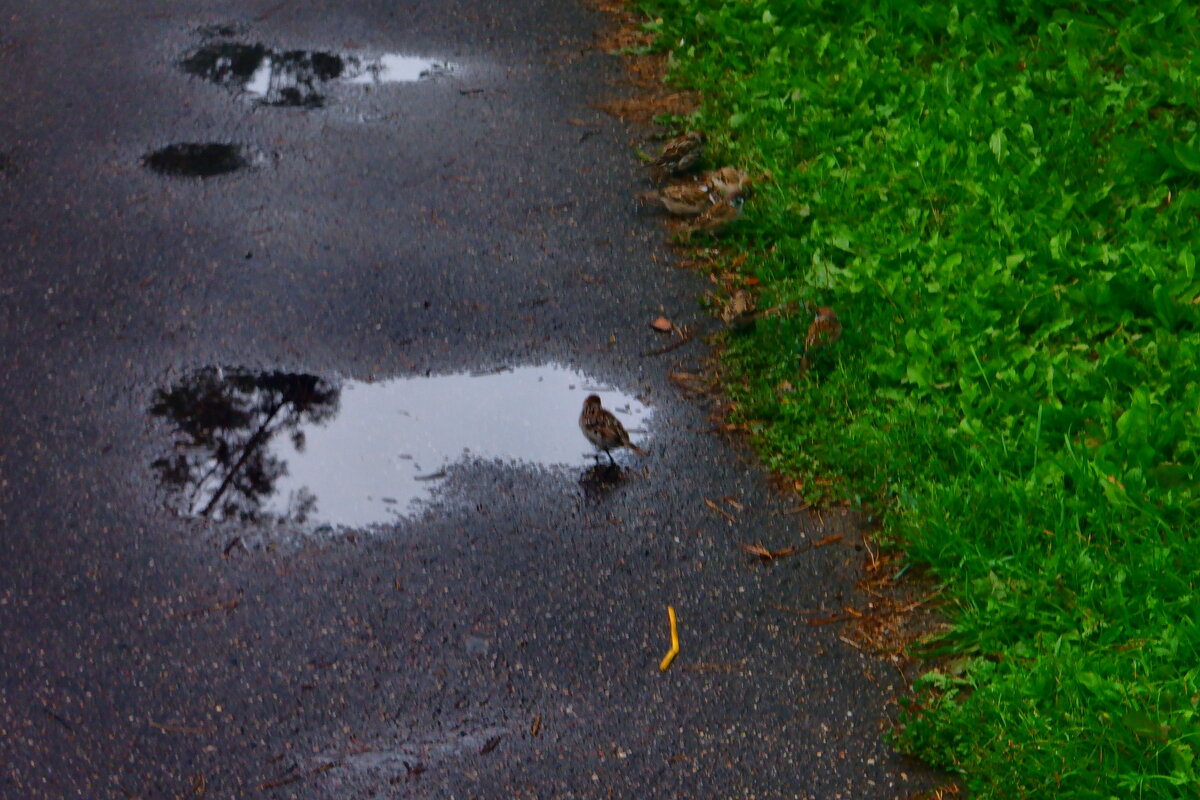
pixel 678 156
pixel 715 218
pixel 603 429
pixel 682 200
pixel 824 330
pixel 693 199
pixel 726 183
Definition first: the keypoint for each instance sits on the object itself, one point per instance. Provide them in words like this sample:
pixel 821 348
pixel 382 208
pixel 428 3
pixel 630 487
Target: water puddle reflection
pixel 288 448
pixel 298 78
pixel 401 69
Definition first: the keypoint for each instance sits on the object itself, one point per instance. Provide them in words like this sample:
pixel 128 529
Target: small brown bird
pixel 825 329
pixel 682 200
pixel 727 182
pixel 678 155
pixel 603 429
pixel 716 217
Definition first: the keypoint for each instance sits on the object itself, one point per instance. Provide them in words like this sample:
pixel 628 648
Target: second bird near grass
pixel 714 199
pixel 678 156
pixel 824 330
pixel 694 198
pixel 603 429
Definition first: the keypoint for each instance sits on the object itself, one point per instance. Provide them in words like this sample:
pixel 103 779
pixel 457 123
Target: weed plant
pixel 1000 200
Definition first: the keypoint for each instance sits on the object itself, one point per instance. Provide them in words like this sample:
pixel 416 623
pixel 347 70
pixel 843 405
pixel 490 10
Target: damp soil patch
pixel 300 450
pixel 197 159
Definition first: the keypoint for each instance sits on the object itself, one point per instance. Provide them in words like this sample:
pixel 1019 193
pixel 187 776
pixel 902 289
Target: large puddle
pixel 300 78
pixel 288 448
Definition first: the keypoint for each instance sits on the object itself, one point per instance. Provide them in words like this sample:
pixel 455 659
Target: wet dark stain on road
pixel 299 78
pixel 197 159
pixel 300 450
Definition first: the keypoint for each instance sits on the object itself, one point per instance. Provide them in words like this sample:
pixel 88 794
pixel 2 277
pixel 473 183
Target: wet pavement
pixel 288 500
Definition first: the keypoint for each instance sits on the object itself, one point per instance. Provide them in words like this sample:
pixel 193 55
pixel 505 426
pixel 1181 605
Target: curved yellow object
pixel 670 656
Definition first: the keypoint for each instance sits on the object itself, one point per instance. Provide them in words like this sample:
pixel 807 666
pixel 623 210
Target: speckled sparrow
pixel 715 217
pixel 678 155
pixel 682 200
pixel 727 182
pixel 825 329
pixel 603 429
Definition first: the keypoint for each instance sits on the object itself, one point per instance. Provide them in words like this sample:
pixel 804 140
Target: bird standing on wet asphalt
pixel 603 429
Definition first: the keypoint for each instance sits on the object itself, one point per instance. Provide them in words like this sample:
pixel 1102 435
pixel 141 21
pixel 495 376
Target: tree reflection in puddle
pixel 299 78
pixel 223 466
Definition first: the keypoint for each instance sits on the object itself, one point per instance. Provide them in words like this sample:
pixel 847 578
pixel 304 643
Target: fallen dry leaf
pixel 662 324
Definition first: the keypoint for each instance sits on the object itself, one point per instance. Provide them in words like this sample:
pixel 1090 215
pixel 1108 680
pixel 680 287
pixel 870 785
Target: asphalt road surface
pixel 298 305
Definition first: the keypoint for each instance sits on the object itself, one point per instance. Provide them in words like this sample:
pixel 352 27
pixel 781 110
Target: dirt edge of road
pixel 900 601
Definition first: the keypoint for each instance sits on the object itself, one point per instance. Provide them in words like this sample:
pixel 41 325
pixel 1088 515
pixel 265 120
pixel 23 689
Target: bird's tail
pixel 635 448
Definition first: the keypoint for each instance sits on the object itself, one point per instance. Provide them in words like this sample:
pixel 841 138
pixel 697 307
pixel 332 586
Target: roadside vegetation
pixel 1000 201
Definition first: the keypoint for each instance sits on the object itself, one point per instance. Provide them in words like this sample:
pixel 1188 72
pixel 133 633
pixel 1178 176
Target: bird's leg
pixel 610 458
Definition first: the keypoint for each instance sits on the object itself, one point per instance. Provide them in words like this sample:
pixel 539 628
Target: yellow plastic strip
pixel 670 656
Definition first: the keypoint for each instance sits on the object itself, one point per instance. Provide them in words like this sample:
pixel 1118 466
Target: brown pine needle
pixel 720 511
pixel 765 554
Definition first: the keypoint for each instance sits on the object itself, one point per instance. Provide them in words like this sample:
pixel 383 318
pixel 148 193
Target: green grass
pixel 1000 200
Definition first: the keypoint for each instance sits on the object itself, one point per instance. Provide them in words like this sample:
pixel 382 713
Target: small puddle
pixel 298 78
pixel 288 448
pixel 197 160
